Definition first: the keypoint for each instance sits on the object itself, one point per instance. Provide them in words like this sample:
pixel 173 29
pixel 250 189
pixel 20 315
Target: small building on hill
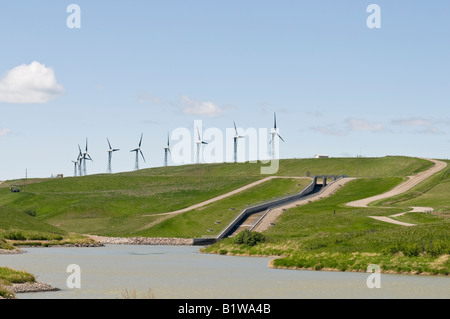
pixel 321 156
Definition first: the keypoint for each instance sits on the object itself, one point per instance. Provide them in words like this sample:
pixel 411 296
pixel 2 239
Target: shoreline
pixel 157 241
pixel 11 252
pixel 28 287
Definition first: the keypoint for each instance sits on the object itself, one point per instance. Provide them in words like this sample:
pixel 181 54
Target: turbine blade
pixel 109 143
pixel 86 144
pixel 203 142
pixel 167 139
pixel 274 121
pixel 280 137
pixel 142 154
pixel 235 129
pixel 140 142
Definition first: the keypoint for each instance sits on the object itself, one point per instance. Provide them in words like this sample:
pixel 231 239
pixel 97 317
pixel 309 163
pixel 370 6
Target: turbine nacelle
pixel 110 147
pixel 274 130
pixel 200 140
pixel 236 136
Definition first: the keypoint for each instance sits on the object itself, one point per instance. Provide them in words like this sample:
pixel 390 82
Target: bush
pixel 249 238
pixel 31 212
pixel 433 248
pixel 5 293
pixel 14 235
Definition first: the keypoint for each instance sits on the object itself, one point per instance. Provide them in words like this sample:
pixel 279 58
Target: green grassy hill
pixel 125 204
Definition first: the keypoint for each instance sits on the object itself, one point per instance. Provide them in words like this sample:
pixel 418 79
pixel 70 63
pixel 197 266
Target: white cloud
pixel 328 130
pixel 362 125
pixel 32 83
pixel 147 97
pixel 425 126
pixel 349 125
pixel 416 121
pixel 205 108
pixel 4 132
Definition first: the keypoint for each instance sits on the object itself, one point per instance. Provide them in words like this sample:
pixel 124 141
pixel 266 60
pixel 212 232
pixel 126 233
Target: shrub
pixel 249 238
pixel 433 248
pixel 223 252
pixel 5 293
pixel 31 212
pixel 14 235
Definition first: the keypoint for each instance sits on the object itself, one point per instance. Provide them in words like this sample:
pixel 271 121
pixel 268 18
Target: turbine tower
pixel 80 160
pixel 85 157
pixel 138 150
pixel 75 166
pixel 274 133
pixel 166 150
pixel 199 143
pixel 110 151
pixel 235 138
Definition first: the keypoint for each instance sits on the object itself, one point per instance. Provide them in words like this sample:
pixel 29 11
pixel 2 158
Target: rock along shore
pixel 143 241
pixel 11 251
pixel 31 287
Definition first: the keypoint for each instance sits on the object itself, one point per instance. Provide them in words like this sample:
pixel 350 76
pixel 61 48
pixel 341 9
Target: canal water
pixel 172 272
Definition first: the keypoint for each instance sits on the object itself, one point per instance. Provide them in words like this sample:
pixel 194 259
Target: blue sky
pixel 337 86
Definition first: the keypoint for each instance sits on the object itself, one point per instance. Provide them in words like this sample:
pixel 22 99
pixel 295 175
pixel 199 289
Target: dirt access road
pixel 412 181
pixel 402 188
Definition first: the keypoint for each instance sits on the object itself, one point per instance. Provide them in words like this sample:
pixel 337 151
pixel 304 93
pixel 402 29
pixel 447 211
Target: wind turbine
pixel 85 157
pixel 110 151
pixel 138 150
pixel 199 143
pixel 235 138
pixel 166 150
pixel 274 133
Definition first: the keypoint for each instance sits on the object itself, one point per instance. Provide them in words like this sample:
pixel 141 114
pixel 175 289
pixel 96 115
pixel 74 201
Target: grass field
pixel 123 204
pixel 218 215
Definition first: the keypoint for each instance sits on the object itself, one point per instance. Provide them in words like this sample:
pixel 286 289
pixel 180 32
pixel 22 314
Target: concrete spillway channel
pixel 250 217
pixel 253 219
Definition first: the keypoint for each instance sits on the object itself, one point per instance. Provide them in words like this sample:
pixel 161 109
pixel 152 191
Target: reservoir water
pixel 182 272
